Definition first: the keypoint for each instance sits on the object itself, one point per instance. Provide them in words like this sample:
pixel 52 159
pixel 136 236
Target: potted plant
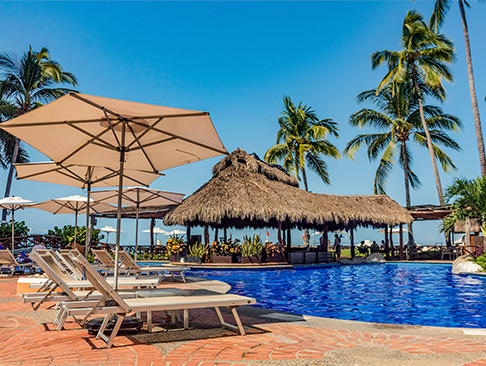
pixel 196 253
pixel 251 250
pixel 175 248
pixel 274 252
pixel 225 252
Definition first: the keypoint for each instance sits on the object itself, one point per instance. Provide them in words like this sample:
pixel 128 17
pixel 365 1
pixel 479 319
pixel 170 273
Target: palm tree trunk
pixel 10 175
pixel 407 188
pixel 472 91
pixel 429 140
pixel 306 231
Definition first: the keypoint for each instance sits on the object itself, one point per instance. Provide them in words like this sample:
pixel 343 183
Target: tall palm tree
pixel 441 9
pixel 398 117
pixel 301 142
pixel 424 57
pixel 28 82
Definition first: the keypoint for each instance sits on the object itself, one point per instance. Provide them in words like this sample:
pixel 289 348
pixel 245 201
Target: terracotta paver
pixel 42 345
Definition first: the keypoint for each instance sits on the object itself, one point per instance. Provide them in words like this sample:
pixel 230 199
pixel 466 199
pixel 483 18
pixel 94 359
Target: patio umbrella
pixel 82 177
pixel 72 205
pixel 176 232
pixel 94 131
pixel 156 231
pixel 13 204
pixel 108 230
pixel 394 231
pixel 139 197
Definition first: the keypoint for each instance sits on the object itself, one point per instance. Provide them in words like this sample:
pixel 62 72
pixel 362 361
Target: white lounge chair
pixel 133 267
pixel 122 307
pixel 8 261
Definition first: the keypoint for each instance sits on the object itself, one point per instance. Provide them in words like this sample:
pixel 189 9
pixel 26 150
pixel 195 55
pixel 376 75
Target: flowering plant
pixel 229 247
pixel 175 245
pixel 276 249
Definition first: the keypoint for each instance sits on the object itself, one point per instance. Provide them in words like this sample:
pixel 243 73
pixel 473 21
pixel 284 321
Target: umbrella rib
pixel 148 144
pixel 147 130
pixel 141 148
pixel 111 126
pixel 91 135
pixel 79 148
pixel 190 141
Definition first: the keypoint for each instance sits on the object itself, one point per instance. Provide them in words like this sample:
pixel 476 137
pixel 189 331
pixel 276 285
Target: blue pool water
pixel 419 294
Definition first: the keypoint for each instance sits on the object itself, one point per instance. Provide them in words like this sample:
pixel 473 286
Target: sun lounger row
pixel 102 299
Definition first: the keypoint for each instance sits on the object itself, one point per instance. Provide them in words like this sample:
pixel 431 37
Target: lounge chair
pixel 69 295
pixel 8 261
pixel 122 307
pixel 133 267
pixel 50 265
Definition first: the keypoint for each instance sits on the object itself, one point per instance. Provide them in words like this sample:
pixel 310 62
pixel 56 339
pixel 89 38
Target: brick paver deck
pixel 23 341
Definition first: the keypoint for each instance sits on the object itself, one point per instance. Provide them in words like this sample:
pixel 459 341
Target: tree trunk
pixel 10 174
pixel 429 140
pixel 306 231
pixel 407 189
pixel 472 91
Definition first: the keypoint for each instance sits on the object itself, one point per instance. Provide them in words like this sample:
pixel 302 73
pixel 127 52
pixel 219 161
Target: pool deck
pixel 274 338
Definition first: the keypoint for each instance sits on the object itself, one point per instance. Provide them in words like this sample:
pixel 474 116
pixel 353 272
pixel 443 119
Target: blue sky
pixel 236 60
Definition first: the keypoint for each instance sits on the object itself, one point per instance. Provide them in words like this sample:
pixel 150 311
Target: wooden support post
pixel 188 235
pixel 152 243
pixel 391 240
pixel 225 235
pixel 401 242
pixel 216 234
pixel 325 234
pixel 279 235
pixel 351 238
pixel 289 240
pixel 206 234
pixel 387 249
pixel 467 230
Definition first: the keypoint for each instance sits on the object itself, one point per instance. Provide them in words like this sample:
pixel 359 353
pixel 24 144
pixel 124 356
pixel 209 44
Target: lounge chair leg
pixel 238 321
pixel 103 327
pixel 183 278
pixel 220 316
pixel 115 331
pixel 149 321
pixel 63 318
pixel 186 319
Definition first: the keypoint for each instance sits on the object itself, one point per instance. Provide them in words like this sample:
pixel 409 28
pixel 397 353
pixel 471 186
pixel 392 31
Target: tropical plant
pixel 227 248
pixel 251 246
pixel 274 249
pixel 67 235
pixel 424 57
pixel 198 250
pixel 27 83
pixel 301 142
pixel 441 8
pixel 398 117
pixel 20 229
pixel 175 245
pixel 468 201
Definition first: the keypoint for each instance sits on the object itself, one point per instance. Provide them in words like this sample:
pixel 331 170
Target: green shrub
pixel 481 260
pixel 198 250
pixel 252 246
pixel 20 229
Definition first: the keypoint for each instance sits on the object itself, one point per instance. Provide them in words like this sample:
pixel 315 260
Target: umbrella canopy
pixel 139 197
pixel 94 131
pixel 395 231
pixel 157 230
pixel 13 204
pixel 72 205
pixel 108 230
pixel 82 177
pixel 176 232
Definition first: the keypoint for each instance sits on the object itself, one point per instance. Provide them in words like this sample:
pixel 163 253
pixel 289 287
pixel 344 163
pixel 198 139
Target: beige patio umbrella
pixel 109 229
pixel 13 204
pixel 72 205
pixel 82 177
pixel 95 131
pixel 139 197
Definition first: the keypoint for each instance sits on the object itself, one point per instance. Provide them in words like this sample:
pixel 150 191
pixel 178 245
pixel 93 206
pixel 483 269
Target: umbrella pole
pixel 76 228
pixel 136 234
pixel 13 233
pixel 87 243
pixel 118 213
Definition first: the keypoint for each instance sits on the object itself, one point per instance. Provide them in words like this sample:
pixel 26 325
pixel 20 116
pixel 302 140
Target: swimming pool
pixel 418 294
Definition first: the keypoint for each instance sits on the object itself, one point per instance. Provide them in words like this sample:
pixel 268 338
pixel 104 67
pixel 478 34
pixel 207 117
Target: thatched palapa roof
pixel 247 192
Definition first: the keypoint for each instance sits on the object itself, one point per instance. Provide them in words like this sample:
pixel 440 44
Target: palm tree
pixel 424 57
pixel 468 198
pixel 398 117
pixel 301 143
pixel 441 9
pixel 27 83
